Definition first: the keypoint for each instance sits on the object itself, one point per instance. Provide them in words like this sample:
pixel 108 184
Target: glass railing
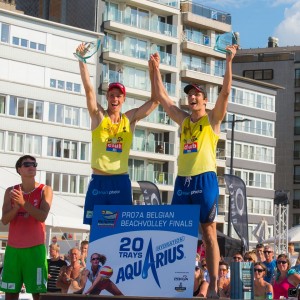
pixel 204 68
pixel 197 38
pixel 221 153
pixel 157 117
pixel 138 174
pixel 142 22
pixel 170 3
pixel 207 12
pixel 130 80
pixel 141 144
pixel 120 48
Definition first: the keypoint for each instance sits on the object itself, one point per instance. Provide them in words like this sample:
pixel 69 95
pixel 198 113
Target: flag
pixel 261 231
pixel 238 207
pixel 150 193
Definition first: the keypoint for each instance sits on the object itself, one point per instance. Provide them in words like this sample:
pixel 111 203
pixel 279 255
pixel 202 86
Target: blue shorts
pixel 203 190
pixel 106 190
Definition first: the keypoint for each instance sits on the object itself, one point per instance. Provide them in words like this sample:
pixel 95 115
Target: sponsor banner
pixel 150 192
pixel 238 207
pixel 150 249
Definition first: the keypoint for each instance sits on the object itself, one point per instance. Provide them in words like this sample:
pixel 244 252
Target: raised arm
pixel 136 114
pixel 219 111
pixel 161 94
pixel 95 109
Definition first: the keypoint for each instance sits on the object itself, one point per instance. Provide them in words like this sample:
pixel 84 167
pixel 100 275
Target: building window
pixel 297 78
pixel 4 28
pixel 297 126
pixel 263 74
pixel 2 140
pixel 25 108
pixel 69 115
pixel 66 86
pixel 296 174
pixel 2 104
pixel 297 102
pixel 67 149
pixel 296 219
pixel 297 150
pixel 296 201
pixel 67 183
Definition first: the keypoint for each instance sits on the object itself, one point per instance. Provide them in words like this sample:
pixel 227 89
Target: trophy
pixel 224 40
pixel 90 48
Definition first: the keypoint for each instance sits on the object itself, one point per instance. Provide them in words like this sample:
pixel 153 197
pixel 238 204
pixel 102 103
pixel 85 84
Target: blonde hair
pixel 54 247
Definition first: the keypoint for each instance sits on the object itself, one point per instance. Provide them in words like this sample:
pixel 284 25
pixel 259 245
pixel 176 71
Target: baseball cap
pixel 197 87
pixel 117 85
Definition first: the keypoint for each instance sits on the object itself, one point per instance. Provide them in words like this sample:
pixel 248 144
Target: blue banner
pixel 150 250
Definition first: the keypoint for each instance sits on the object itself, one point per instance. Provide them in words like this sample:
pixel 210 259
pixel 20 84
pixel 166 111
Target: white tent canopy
pixel 293 236
pixel 63 216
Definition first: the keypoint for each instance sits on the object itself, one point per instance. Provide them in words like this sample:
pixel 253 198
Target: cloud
pixel 283 2
pixel 288 31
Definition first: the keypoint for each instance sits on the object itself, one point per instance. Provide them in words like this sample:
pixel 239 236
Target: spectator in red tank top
pixel 25 209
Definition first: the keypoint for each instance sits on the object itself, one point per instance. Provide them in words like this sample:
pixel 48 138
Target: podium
pixel 150 249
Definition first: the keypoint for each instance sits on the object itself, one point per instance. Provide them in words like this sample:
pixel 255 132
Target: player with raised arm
pixel 112 133
pixel 197 181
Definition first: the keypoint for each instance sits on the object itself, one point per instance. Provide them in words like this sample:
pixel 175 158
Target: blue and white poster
pixel 143 250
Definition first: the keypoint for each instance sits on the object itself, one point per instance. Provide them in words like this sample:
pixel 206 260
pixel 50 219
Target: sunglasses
pixel 28 164
pixel 268 252
pixel 237 258
pixel 248 258
pixel 222 269
pixel 258 270
pixel 281 262
pixel 95 258
pixel 203 266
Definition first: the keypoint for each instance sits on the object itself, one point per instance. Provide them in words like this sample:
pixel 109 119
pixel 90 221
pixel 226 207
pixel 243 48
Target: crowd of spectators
pixel 273 275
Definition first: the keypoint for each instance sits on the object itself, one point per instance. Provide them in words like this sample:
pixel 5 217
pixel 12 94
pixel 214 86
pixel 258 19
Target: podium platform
pixel 55 296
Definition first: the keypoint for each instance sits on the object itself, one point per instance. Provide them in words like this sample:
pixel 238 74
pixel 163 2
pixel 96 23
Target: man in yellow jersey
pixel 112 134
pixel 197 182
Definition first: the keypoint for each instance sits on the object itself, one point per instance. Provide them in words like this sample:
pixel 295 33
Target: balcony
pixel 118 47
pixel 142 25
pixel 159 147
pixel 157 177
pixel 202 73
pixel 206 12
pixel 170 3
pixel 156 117
pixel 131 80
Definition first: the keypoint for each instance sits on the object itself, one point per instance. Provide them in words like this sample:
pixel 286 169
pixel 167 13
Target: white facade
pixel 184 34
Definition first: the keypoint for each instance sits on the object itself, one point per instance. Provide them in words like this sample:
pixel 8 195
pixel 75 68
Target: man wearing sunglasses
pixel 25 209
pixel 112 133
pixel 270 263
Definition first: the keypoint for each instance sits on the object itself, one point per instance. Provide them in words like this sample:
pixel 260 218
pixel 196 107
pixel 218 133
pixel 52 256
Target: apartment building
pixel 184 34
pixel 280 65
pixel 43 109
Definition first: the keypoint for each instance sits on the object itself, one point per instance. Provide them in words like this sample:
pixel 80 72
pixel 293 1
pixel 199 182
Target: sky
pixel 257 20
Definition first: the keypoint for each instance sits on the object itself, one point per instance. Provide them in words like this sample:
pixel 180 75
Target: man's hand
pixel 232 51
pixel 82 49
pixel 16 196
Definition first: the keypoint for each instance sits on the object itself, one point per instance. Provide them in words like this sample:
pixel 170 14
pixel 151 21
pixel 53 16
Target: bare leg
pixel 36 296
pixel 209 232
pixel 11 296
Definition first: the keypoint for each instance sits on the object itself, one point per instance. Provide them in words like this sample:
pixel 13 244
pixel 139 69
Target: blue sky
pixel 257 20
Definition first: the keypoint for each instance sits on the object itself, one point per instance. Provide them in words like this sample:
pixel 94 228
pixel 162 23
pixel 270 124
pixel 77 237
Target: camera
pixel 294 292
